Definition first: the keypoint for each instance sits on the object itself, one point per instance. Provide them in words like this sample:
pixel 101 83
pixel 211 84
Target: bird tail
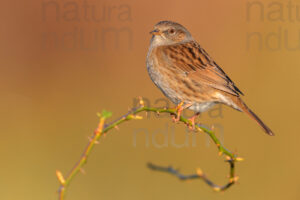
pixel 247 110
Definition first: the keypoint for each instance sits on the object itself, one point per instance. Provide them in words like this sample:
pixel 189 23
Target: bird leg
pixel 180 107
pixel 192 119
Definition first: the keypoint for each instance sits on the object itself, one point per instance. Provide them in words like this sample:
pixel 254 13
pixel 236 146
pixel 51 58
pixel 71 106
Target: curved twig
pixel 132 114
pixel 198 175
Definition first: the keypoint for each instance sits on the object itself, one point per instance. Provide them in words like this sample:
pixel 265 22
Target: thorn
pixel 117 127
pixel 137 117
pixel 217 189
pixel 96 142
pixel 228 158
pixel 239 159
pixel 220 153
pixel 234 179
pixel 82 171
pixel 142 103
pixel 89 138
pixel 60 177
pixel 199 129
pixel 199 172
pixel 130 116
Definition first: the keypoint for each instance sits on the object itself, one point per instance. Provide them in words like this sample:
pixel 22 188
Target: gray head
pixel 168 33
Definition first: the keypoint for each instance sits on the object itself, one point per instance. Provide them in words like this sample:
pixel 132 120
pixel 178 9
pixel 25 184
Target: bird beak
pixel 155 32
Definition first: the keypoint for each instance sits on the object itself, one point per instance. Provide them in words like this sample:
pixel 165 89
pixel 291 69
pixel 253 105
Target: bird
pixel 188 76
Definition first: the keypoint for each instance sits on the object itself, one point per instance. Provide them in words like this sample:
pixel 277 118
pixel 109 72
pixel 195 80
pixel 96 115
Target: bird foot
pixel 192 119
pixel 179 108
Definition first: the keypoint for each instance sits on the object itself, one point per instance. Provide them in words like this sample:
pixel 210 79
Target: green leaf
pixel 106 114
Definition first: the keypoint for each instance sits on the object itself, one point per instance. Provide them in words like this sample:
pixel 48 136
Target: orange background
pixel 50 96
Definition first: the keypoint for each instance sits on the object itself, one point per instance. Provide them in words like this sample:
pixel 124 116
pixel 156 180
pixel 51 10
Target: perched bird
pixel 188 76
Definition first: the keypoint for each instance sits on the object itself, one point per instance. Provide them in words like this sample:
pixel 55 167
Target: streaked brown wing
pixel 192 60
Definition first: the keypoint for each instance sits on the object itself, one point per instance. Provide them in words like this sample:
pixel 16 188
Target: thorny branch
pixel 102 128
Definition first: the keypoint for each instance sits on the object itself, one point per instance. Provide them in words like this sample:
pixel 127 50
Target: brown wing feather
pixel 192 60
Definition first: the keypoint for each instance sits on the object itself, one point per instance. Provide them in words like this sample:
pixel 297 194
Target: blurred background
pixel 64 61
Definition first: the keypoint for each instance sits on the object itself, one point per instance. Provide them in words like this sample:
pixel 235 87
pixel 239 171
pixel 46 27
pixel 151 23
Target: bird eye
pixel 171 31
